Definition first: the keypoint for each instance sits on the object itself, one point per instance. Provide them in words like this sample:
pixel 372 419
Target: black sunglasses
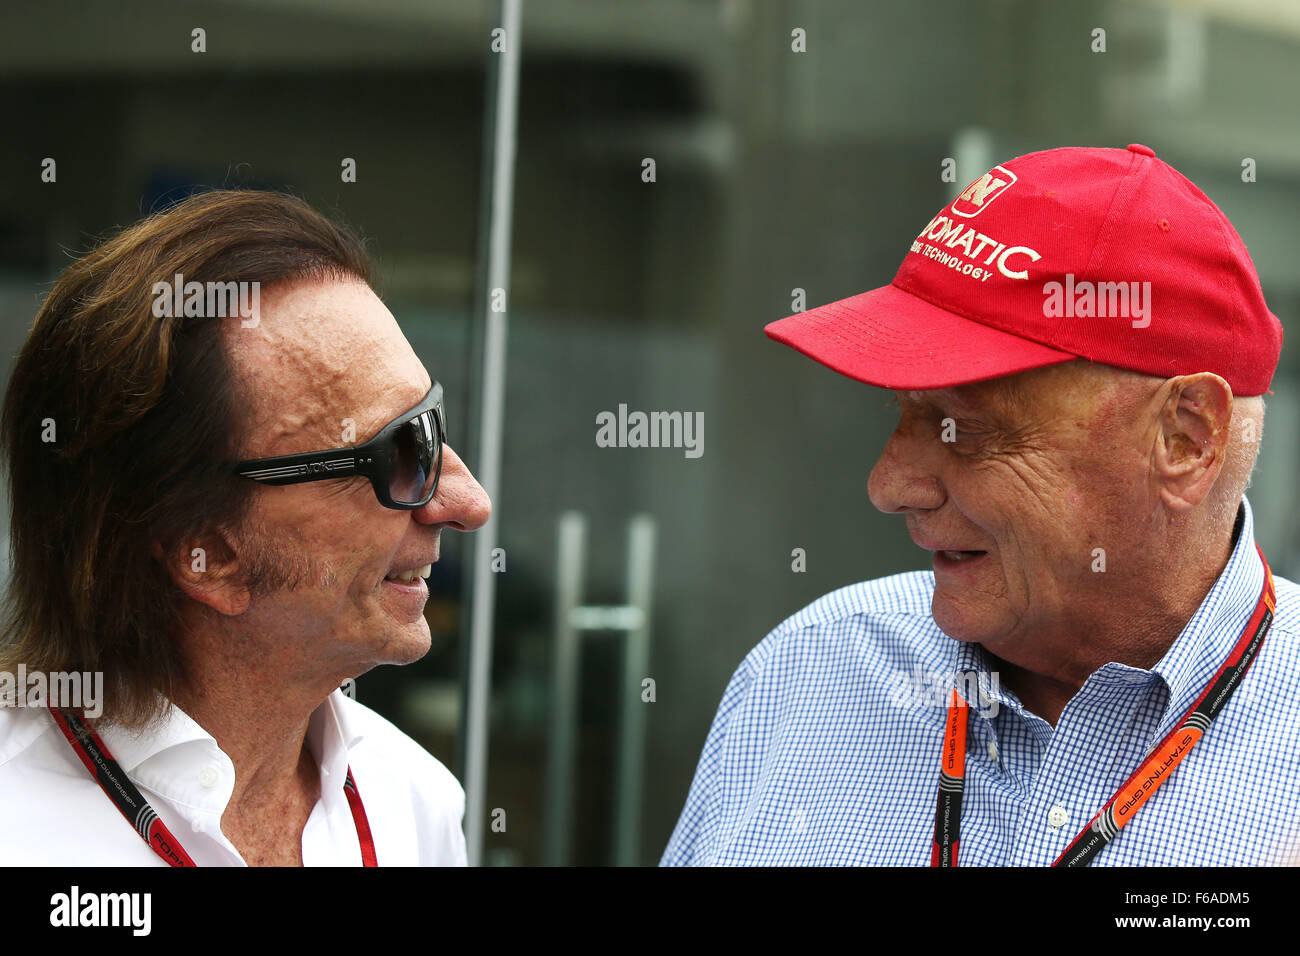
pixel 403 461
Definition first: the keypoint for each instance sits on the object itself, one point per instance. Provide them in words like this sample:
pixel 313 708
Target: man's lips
pixel 949 557
pixel 406 571
pixel 408 576
pixel 947 560
pixel 932 545
pixel 415 586
pixel 405 601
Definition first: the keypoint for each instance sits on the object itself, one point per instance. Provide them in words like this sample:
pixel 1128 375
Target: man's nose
pixel 460 501
pixel 904 478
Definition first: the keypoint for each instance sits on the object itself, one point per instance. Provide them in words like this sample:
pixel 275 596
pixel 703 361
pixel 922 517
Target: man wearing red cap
pixel 1100 666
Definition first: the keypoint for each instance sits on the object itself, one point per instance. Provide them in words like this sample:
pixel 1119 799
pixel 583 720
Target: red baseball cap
pixel 1106 254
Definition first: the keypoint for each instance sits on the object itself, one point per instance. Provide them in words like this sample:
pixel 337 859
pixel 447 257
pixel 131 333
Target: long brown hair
pixel 145 416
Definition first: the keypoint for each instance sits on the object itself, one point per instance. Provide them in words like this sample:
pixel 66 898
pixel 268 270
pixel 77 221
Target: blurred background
pixel 775 170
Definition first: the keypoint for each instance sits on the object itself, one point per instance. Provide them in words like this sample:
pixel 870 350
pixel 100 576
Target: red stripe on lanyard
pixel 363 825
pixel 1164 758
pixel 130 802
pixel 106 771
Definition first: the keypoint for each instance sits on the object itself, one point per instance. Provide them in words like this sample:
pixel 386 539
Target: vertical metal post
pixel 500 183
pixel 972 148
pixel 573 621
pixel 636 666
pixel 570 558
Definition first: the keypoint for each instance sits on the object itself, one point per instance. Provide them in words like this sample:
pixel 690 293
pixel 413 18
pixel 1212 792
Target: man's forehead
pixel 1073 388
pixel 323 353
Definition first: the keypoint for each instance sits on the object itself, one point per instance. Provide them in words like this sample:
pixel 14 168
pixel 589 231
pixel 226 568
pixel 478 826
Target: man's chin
pixel 406 643
pixel 958 621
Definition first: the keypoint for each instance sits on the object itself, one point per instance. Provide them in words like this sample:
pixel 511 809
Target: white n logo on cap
pixel 976 197
pixel 977 190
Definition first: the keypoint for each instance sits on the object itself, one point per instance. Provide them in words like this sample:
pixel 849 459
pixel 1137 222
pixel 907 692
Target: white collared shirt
pixel 53 813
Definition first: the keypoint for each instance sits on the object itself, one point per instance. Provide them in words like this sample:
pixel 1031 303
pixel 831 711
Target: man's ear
pixel 207 570
pixel 1191 439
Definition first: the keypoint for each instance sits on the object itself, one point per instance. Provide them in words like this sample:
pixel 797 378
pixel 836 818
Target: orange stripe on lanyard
pixel 952 776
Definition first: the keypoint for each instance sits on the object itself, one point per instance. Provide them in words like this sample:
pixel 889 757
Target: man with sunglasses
pixel 237 516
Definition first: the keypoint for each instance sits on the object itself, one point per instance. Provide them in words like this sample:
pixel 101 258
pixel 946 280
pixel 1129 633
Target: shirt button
pixel 208 776
pixel 993 749
pixel 198 826
pixel 1057 817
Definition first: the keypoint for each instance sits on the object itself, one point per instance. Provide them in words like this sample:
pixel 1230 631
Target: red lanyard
pixel 132 804
pixel 1142 785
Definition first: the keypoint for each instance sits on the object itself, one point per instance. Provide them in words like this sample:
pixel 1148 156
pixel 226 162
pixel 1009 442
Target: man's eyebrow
pixel 990 398
pixel 387 417
pixel 918 397
pixel 936 398
pixel 993 400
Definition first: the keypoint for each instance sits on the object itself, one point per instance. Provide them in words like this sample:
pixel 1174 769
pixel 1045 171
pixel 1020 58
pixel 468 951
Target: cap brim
pixel 892 339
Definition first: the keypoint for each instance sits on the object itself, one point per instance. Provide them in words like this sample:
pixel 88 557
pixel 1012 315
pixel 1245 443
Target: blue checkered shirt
pixel 825 748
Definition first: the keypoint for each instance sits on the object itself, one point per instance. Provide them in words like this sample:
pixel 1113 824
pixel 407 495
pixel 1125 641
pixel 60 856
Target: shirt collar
pixel 331 733
pixel 972 671
pixel 132 746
